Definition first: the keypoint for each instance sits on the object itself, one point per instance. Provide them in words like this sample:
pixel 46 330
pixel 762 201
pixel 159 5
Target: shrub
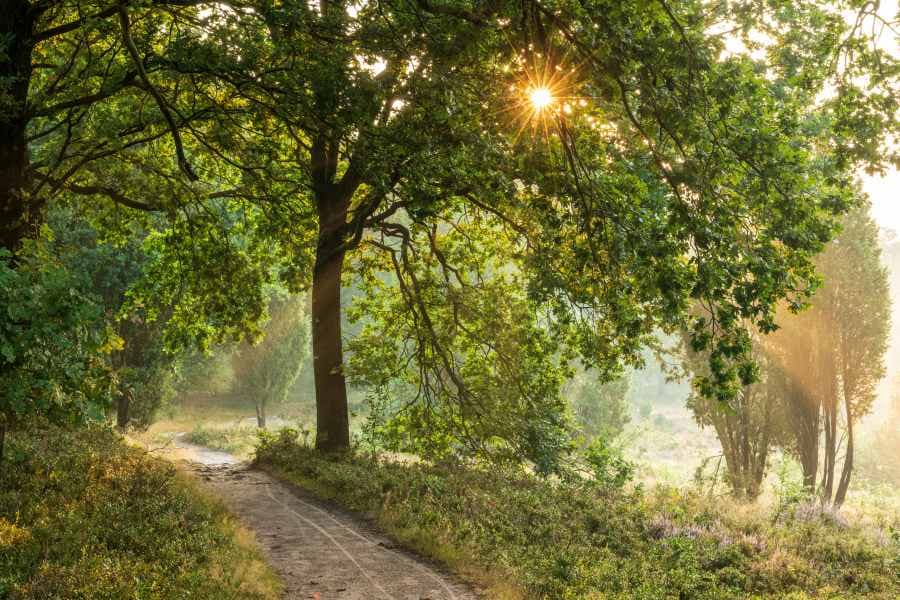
pixel 577 539
pixel 84 516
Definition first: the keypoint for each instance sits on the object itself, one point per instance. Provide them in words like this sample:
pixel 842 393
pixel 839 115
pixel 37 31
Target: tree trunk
pixel 844 484
pixel 810 464
pixel 122 411
pixel 831 446
pixel 805 417
pixel 261 414
pixel 20 215
pixel 830 420
pixel 332 418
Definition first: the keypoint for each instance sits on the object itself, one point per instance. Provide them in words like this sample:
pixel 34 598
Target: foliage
pixel 53 341
pixel 464 345
pixel 264 371
pixel 600 409
pixel 834 354
pixel 111 267
pixel 269 133
pixel 207 277
pixel 580 540
pixel 83 515
pixel 790 493
pixel 607 465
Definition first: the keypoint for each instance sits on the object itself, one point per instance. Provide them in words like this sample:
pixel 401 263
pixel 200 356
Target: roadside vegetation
pixel 481 234
pixel 85 516
pixel 526 537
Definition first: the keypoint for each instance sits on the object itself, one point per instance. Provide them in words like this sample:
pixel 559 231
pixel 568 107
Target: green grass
pixel 82 515
pixel 223 422
pixel 238 439
pixel 523 537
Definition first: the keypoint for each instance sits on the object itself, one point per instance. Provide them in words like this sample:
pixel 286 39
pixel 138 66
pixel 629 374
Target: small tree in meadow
pixel 266 370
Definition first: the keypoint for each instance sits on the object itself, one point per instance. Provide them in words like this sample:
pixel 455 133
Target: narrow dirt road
pixel 321 553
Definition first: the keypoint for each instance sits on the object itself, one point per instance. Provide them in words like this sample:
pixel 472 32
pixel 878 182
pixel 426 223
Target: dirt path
pixel 321 553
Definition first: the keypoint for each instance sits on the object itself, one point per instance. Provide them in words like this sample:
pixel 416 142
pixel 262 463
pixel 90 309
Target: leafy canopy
pixel 666 173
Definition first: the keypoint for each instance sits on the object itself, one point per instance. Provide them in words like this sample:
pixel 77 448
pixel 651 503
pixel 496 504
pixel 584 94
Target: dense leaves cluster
pixel 669 172
pixel 52 342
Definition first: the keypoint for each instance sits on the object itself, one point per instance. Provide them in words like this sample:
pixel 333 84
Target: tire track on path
pixel 321 552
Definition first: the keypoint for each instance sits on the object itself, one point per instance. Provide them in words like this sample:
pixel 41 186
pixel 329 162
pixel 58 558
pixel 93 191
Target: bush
pixel 237 440
pixel 84 516
pixel 577 539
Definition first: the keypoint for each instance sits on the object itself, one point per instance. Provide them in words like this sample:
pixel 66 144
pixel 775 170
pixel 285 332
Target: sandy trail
pixel 321 552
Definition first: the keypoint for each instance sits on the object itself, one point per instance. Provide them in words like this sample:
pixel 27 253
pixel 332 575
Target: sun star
pixel 541 98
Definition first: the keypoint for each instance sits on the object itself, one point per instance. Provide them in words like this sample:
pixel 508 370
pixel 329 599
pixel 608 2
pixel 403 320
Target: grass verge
pixel 522 537
pixel 82 515
pixel 238 440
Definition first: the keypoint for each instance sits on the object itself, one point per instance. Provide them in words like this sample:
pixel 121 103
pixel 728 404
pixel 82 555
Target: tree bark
pixel 804 406
pixel 830 421
pixel 261 414
pixel 844 484
pixel 20 215
pixel 123 406
pixel 332 417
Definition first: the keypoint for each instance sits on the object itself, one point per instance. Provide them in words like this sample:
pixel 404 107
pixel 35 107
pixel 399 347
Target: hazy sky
pixel 885 194
pixel 885 191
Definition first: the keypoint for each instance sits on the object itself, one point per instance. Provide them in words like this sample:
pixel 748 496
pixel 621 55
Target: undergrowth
pixel 525 537
pixel 82 515
pixel 238 440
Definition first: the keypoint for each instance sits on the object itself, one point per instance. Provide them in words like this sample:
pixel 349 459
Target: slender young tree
pixel 835 352
pixel 264 371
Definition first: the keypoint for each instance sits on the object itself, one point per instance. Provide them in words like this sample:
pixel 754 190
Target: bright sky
pixel 885 195
pixel 885 190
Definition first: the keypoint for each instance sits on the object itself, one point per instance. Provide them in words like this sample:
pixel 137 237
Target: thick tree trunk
pixel 332 417
pixel 20 215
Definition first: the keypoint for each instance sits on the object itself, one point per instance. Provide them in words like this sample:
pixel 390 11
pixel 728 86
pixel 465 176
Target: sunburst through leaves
pixel 545 92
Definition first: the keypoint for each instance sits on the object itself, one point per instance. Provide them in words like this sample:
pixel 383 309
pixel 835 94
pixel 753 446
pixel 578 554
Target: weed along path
pixel 321 553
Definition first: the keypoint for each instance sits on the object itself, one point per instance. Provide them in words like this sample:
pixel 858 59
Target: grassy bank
pixel 526 538
pixel 82 515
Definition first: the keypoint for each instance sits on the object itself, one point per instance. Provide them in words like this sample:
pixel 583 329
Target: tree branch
pixel 160 101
